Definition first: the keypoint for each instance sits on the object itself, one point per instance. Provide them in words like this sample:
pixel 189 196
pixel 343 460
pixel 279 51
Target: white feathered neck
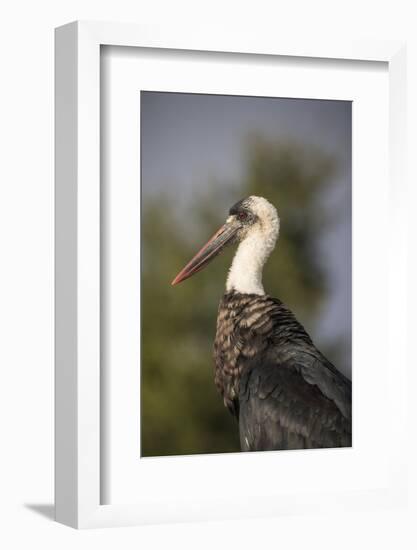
pixel 245 274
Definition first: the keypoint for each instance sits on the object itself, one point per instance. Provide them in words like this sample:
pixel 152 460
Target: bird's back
pixel 284 392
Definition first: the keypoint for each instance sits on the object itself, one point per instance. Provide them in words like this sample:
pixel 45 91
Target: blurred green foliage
pixel 182 413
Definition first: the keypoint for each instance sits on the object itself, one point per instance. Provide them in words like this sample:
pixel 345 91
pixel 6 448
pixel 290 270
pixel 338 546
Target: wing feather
pixel 279 409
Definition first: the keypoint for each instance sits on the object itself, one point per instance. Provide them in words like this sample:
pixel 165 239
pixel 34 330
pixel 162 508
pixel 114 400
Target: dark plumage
pixel 283 391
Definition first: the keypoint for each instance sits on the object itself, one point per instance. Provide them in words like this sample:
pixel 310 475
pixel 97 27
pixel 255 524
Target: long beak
pixel 209 251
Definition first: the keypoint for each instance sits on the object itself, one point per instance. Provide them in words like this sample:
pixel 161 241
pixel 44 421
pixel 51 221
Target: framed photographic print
pixel 266 178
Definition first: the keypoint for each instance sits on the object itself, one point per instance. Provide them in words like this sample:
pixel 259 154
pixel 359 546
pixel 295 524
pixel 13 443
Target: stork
pixel 284 393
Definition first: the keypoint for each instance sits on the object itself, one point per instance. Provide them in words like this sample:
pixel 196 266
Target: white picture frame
pixel 78 404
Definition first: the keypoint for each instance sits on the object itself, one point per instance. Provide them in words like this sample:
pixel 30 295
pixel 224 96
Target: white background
pixel 26 301
pixel 208 478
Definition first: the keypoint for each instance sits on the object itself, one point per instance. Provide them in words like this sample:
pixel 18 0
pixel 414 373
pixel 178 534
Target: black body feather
pixel 283 391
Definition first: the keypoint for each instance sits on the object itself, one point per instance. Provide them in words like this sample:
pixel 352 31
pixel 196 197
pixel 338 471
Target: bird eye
pixel 242 216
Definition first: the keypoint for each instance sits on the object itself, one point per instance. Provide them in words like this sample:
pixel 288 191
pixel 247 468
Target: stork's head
pixel 254 223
